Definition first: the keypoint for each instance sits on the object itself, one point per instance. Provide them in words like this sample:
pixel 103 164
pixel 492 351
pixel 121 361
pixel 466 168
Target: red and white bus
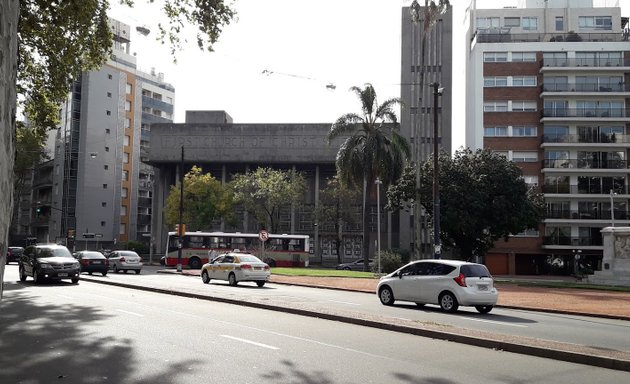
pixel 199 247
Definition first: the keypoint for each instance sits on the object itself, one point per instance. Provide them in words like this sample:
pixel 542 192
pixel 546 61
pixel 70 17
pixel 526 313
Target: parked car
pixel 48 261
pixel 356 265
pixel 14 253
pixel 236 267
pixel 124 261
pixel 92 261
pixel 448 283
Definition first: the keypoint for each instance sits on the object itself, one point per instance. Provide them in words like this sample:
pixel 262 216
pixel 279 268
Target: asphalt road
pixel 588 331
pixel 94 333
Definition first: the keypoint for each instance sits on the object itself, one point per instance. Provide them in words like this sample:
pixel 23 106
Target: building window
pixel 107 130
pixel 494 57
pixel 524 106
pixel 495 106
pixel 495 81
pixel 127 105
pixel 128 88
pixel 109 76
pixel 123 229
pixel 524 131
pixel 123 192
pixel 555 59
pixel 530 23
pixel 532 181
pixel 103 204
pixel 109 94
pixel 559 23
pixel 106 149
pixel 126 140
pixel 106 167
pixel 123 210
pixel 108 113
pixel 524 81
pixel 512 22
pixel 103 223
pixel 127 122
pixel 524 156
pixel 125 158
pixel 125 175
pixel 501 153
pixel 524 56
pixel 495 131
pixel 488 22
pixel 104 186
pixel 595 22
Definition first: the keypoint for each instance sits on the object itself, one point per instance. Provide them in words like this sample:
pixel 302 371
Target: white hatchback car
pixel 124 261
pixel 448 283
pixel 235 267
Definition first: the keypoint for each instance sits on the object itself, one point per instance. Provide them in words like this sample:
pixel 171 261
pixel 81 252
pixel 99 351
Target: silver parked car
pixel 448 283
pixel 356 265
pixel 124 261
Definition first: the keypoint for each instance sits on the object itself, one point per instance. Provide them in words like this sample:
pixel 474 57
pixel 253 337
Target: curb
pixel 514 347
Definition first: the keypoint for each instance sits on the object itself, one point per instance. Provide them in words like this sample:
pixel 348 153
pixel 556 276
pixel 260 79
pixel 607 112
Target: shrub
pixel 390 261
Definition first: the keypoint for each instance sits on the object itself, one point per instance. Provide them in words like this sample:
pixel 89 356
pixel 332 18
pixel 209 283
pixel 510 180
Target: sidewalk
pixel 588 302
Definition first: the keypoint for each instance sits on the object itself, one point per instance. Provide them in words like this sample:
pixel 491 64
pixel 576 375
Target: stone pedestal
pixel 616 258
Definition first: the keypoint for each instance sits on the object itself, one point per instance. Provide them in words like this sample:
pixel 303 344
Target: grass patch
pixel 320 272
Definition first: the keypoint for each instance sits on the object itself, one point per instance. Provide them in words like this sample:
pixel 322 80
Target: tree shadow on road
pixel 45 343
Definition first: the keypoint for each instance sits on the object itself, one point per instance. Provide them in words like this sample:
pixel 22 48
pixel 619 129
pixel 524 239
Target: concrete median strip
pixel 611 359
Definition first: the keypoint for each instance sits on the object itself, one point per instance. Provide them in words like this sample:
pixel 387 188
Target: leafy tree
pixel 483 195
pixel 372 150
pixel 205 200
pixel 57 40
pixel 264 191
pixel 336 207
pixel 429 15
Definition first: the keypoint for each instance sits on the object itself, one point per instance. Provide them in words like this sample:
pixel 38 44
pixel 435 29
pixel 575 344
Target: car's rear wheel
pixel 75 280
pixel 116 270
pixel 483 308
pixel 232 280
pixel 386 296
pixel 448 302
pixel 346 268
pixel 194 263
pixel 22 274
pixel 124 270
pixel 90 273
pixel 104 273
pixel 137 271
pixel 36 278
pixel 205 277
pixel 260 283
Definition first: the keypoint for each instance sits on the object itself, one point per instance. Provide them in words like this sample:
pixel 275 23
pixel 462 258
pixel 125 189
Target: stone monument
pixel 616 258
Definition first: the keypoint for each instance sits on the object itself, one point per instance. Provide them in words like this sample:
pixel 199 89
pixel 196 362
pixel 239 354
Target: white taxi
pixel 236 267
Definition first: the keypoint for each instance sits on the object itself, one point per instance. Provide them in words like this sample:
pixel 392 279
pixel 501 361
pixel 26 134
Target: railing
pixel 590 62
pixel 567 240
pixel 586 215
pixel 590 139
pixel 584 87
pixel 585 112
pixel 582 190
pixel 503 35
pixel 585 163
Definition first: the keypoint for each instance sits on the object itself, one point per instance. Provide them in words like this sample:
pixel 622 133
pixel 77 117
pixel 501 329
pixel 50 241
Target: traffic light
pixel 183 232
pixel 38 210
pixel 177 229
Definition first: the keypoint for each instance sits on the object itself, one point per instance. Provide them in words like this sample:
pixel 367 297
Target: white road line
pixel 343 302
pixel 130 313
pixel 66 297
pixel 496 322
pixel 250 342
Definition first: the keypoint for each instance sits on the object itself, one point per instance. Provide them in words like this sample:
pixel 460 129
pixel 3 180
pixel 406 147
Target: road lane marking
pixel 250 342
pixel 130 313
pixel 66 297
pixel 495 322
pixel 343 302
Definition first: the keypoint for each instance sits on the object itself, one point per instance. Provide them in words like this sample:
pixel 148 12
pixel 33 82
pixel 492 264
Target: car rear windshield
pixel 128 253
pixel 475 270
pixel 93 255
pixel 249 259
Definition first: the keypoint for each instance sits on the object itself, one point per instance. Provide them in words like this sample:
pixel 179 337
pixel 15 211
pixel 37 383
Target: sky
pixel 278 60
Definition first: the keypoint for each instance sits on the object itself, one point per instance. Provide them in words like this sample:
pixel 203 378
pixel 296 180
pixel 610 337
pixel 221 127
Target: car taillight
pixel 122 259
pixel 107 262
pixel 85 262
pixel 266 267
pixel 460 280
pixel 246 266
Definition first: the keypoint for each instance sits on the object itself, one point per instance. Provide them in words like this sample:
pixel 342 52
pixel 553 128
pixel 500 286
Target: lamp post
pixel 437 246
pixel 378 183
pixel 576 260
pixel 181 214
pixel 612 208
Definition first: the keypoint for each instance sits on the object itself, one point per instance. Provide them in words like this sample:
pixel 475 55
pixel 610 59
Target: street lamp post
pixel 181 214
pixel 378 183
pixel 612 208
pixel 437 246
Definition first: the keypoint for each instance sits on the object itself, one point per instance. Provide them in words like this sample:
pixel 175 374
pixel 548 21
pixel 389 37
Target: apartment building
pixel 100 187
pixel 547 86
pixel 417 117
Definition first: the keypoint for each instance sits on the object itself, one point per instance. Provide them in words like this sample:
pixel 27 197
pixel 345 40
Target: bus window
pixel 195 242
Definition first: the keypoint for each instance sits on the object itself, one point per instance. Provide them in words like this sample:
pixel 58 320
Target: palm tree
pixel 429 15
pixel 372 150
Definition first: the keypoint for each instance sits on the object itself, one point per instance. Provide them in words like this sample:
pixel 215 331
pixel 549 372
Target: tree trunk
pixel 366 226
pixel 9 13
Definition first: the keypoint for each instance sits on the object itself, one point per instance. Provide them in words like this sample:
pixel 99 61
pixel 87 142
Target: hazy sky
pixel 307 45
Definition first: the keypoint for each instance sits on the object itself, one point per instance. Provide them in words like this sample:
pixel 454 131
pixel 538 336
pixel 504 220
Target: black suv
pixel 48 261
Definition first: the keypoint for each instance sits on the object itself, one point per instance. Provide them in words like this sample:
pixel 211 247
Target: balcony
pixel 584 87
pixel 572 241
pixel 587 215
pixel 585 163
pixel 503 35
pixel 573 63
pixel 601 138
pixel 583 190
pixel 585 112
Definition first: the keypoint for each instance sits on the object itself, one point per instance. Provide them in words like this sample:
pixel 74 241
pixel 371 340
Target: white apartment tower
pixel 548 86
pixel 100 185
